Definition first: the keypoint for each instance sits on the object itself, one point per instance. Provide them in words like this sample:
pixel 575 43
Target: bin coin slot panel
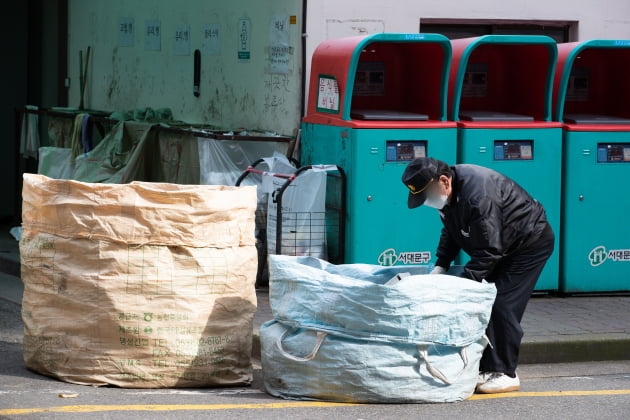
pixel 613 152
pixel 513 150
pixel 405 150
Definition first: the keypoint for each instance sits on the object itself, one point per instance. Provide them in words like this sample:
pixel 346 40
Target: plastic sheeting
pixel 223 161
pixel 137 151
pixel 118 158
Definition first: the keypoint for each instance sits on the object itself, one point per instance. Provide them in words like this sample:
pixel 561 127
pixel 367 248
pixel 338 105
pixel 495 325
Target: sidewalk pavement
pixel 556 329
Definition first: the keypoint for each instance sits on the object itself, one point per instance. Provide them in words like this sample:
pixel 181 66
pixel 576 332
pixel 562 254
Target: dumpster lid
pixel 486 116
pixel 594 119
pixel 386 115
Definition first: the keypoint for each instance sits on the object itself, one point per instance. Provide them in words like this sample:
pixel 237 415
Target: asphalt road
pixel 560 391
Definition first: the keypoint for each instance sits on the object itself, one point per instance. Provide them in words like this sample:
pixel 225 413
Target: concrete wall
pixel 329 18
pixel 233 93
pixel 246 94
pixel 332 18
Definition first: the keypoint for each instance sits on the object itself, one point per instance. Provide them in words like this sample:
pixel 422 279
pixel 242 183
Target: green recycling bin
pixel 375 103
pixel 592 91
pixel 500 94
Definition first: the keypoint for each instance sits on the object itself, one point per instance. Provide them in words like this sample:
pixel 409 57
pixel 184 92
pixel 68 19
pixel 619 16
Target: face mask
pixel 436 202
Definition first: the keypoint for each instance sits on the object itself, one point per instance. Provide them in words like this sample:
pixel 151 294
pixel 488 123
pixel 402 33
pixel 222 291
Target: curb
pixel 575 350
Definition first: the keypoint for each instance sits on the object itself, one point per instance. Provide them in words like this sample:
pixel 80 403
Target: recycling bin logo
pixel 597 256
pixel 389 257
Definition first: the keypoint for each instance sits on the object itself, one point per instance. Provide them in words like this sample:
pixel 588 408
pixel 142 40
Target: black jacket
pixel 490 217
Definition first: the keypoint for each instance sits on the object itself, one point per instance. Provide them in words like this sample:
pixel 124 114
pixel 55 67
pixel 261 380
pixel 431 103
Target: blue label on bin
pixel 391 153
pixel 498 152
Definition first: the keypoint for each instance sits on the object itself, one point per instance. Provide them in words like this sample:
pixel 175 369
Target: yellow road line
pixel 168 407
pixel 276 405
pixel 551 394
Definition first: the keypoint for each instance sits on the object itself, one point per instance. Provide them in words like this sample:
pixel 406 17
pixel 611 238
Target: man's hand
pixel 438 270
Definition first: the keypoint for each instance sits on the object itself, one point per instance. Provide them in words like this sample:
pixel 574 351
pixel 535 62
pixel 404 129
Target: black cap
pixel 417 177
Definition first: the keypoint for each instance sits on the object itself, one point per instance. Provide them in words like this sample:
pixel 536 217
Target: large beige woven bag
pixel 140 285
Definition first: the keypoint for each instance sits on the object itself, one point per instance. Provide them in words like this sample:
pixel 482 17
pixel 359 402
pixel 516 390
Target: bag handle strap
pixel 437 373
pixel 320 339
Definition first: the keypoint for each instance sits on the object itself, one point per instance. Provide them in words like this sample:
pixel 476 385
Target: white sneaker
pixel 499 382
pixel 483 377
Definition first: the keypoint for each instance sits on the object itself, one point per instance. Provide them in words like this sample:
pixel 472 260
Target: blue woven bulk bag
pixel 341 334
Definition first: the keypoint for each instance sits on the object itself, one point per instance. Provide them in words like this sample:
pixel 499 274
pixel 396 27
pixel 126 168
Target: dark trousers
pixel 515 278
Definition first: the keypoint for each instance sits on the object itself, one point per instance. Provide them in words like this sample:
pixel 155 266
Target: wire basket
pixel 310 233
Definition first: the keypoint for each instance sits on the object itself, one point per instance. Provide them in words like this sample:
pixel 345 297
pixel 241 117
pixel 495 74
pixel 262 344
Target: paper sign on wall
pixel 126 29
pixel 279 44
pixel 210 39
pixel 244 39
pixel 279 30
pixel 152 35
pixel 181 41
